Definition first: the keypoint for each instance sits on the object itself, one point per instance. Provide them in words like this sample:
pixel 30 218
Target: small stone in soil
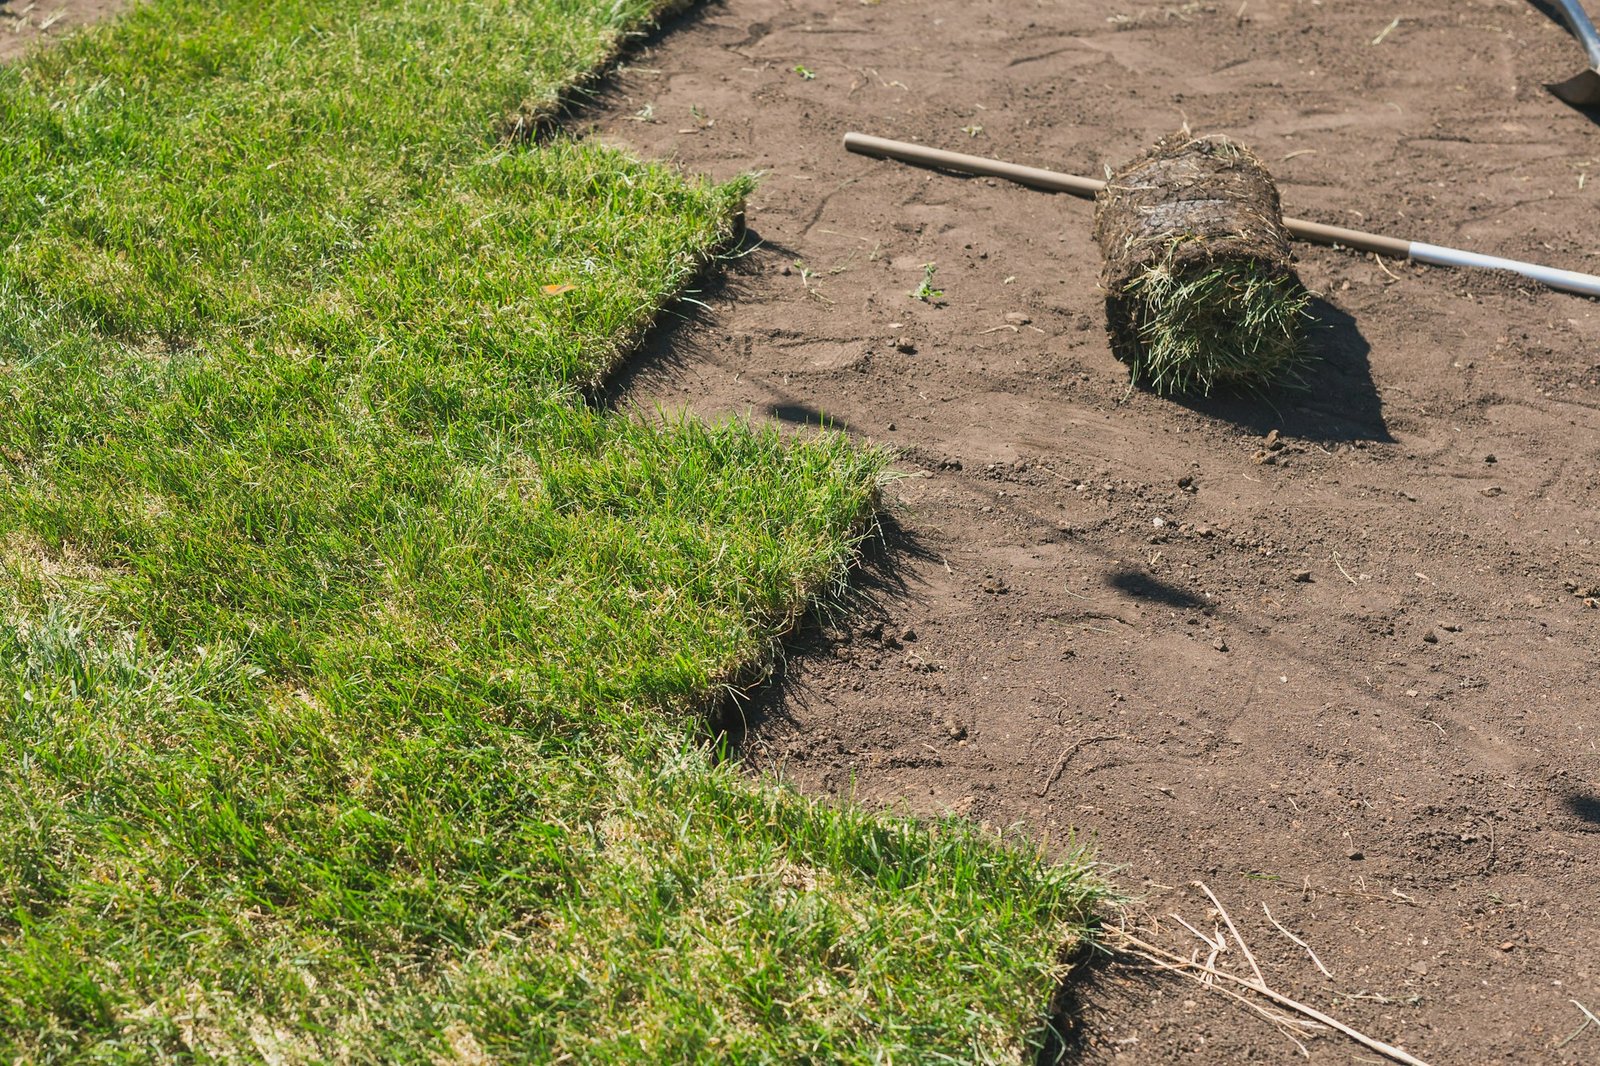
pixel 906 345
pixel 908 634
pixel 1356 856
pixel 1430 637
pixel 1220 644
pixel 1272 442
pixel 1017 318
pixel 1303 576
pixel 1450 626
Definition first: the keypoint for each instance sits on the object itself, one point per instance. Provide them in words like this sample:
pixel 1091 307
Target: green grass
pixel 1235 324
pixel 351 665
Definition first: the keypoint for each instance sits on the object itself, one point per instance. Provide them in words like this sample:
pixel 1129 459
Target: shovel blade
pixel 1581 91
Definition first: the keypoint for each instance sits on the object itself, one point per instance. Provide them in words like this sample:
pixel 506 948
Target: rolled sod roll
pixel 1199 281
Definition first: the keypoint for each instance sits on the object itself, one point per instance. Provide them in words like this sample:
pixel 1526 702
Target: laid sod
pixel 350 665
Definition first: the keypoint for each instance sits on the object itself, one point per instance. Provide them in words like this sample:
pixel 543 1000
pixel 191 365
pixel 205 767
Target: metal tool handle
pixel 1050 181
pixel 1566 280
pixel 1578 20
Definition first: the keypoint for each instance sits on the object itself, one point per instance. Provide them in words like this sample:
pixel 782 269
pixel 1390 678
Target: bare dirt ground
pixel 25 22
pixel 1347 670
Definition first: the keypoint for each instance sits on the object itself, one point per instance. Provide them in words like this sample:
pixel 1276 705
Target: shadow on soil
pixel 859 613
pixel 1099 986
pixel 1337 403
pixel 1142 586
pixel 1585 807
pixel 664 353
pixel 598 91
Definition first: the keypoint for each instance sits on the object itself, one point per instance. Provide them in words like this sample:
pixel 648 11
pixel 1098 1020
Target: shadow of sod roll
pixel 1199 280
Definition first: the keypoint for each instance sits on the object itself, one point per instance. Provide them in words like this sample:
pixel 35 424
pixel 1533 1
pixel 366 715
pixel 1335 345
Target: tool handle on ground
pixel 906 152
pixel 1555 278
pixel 1565 280
pixel 1582 28
pixel 1318 233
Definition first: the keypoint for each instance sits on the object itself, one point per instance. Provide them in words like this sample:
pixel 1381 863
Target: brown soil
pixel 23 23
pixel 1325 651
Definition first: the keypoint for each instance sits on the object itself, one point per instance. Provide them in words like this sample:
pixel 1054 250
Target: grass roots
pixel 1235 324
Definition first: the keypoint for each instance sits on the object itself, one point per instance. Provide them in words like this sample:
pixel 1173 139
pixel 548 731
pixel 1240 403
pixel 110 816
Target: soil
pixel 24 23
pixel 1332 652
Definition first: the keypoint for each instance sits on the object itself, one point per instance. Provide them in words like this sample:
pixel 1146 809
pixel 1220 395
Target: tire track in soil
pixel 1346 676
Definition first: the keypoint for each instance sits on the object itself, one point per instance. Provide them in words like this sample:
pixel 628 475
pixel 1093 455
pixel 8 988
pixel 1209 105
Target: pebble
pixel 1450 626
pixel 1430 637
pixel 1356 856
pixel 1220 644
pixel 1302 575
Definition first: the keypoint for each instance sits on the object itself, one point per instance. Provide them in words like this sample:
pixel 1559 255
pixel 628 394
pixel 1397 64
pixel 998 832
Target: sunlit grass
pixel 1235 324
pixel 350 664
